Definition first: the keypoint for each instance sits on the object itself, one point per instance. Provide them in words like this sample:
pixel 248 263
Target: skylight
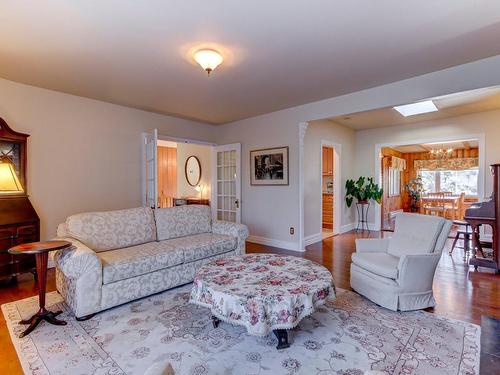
pixel 416 108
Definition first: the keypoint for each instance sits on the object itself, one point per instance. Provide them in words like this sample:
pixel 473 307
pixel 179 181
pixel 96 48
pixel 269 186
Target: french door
pixel 226 182
pixel 150 198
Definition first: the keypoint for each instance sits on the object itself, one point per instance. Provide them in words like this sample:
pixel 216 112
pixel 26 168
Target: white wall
pixel 316 132
pixel 270 211
pixel 83 155
pixel 487 123
pixel 204 154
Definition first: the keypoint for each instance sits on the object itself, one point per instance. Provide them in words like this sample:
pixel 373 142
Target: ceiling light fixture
pixel 416 108
pixel 208 59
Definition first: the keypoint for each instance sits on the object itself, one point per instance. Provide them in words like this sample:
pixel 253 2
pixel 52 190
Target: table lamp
pixel 9 182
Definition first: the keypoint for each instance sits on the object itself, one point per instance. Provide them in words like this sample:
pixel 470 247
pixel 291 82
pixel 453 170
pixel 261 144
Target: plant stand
pixel 362 211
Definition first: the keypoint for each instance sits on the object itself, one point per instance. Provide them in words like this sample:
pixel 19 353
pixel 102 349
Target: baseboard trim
pixel 286 245
pixel 348 227
pixel 313 238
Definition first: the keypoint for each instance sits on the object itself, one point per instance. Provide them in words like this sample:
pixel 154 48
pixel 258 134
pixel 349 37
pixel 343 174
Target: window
pixel 454 181
pixel 394 182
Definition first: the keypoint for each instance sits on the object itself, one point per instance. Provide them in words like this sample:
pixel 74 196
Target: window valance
pixel 453 164
pixel 398 163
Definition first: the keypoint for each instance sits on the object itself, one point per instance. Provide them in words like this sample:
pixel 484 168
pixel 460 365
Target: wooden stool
pixel 466 234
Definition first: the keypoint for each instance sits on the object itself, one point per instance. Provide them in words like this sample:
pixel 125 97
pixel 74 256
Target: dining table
pixel 451 201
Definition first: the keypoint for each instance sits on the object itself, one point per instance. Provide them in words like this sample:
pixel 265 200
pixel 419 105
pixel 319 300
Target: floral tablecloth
pixel 262 292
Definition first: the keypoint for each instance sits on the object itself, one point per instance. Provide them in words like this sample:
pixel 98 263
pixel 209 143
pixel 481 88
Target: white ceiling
pixel 278 53
pixel 452 105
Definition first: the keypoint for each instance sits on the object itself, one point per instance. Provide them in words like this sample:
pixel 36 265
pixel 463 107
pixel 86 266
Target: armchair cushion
pixel 415 234
pixel 181 221
pixel 377 245
pixel 103 231
pixel 381 264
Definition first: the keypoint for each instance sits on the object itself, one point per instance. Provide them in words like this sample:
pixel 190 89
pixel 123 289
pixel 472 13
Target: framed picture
pixel 269 166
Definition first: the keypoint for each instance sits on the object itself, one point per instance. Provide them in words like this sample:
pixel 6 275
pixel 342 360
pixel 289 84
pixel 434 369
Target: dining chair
pixel 464 233
pixel 457 208
pixel 435 204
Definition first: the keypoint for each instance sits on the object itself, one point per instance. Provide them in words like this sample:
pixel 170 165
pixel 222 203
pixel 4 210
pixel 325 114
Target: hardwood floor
pixel 460 292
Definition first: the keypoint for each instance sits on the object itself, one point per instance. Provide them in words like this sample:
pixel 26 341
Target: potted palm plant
pixel 363 190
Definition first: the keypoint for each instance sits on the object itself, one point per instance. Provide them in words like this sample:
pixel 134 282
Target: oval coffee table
pixel 262 292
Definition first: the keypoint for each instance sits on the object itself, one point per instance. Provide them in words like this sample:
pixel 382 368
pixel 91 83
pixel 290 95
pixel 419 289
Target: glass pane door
pixel 227 183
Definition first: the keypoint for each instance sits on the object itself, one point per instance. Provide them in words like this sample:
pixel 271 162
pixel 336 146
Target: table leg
pixel 42 314
pixel 282 336
pixel 215 321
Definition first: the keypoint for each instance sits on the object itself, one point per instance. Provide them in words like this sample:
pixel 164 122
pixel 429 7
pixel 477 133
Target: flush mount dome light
pixel 416 108
pixel 208 59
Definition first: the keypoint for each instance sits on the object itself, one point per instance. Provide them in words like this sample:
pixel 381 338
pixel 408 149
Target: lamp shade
pixel 9 182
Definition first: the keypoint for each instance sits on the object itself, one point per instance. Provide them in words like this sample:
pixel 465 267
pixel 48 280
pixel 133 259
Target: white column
pixel 302 132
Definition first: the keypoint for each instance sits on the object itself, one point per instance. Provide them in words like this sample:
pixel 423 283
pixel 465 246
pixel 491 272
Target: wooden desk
pixel 184 201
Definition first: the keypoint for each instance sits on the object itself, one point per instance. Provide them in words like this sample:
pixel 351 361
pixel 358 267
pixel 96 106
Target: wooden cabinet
pixel 327 161
pixel 12 235
pixel 328 210
pixel 19 222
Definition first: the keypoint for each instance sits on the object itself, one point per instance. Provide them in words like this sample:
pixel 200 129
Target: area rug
pixel 350 335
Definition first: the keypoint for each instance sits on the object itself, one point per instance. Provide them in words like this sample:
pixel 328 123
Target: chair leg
pixel 466 245
pixel 454 243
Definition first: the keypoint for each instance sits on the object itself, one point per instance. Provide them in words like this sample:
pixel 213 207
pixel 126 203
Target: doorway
pixel 330 189
pixel 177 171
pixel 449 172
pixel 327 217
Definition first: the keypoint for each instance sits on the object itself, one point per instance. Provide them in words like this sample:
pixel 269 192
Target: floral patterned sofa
pixel 119 256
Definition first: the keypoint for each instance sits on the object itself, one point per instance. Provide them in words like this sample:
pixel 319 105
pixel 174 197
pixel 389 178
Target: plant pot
pixel 365 201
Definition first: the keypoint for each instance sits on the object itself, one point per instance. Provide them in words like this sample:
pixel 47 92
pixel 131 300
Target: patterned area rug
pixel 350 335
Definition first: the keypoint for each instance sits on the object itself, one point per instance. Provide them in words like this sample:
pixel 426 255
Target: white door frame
pixel 337 186
pixel 337 173
pixel 145 136
pixel 378 171
pixel 215 202
pixel 302 133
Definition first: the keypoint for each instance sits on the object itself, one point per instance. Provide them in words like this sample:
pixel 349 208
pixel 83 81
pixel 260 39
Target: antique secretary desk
pixel 19 222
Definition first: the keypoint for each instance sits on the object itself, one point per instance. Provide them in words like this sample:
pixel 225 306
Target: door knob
pixel 237 203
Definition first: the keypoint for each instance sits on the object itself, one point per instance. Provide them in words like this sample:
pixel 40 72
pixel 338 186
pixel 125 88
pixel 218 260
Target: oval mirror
pixel 193 170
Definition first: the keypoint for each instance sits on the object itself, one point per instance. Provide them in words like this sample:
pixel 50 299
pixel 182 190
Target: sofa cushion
pixel 138 260
pixel 381 264
pixel 415 234
pixel 103 231
pixel 200 246
pixel 182 221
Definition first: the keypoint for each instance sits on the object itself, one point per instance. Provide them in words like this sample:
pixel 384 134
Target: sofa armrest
pixel 239 231
pixel 372 245
pixel 77 260
pixel 79 278
pixel 416 272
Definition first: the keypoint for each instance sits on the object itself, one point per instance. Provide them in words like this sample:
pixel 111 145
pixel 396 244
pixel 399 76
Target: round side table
pixel 41 251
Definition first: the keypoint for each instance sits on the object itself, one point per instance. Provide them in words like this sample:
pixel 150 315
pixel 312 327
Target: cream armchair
pixel 397 272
